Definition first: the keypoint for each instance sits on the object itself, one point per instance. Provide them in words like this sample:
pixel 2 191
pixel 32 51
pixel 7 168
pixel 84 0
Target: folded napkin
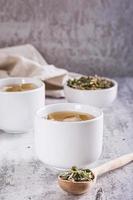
pixel 26 61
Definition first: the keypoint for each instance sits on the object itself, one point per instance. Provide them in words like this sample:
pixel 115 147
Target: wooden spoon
pixel 78 188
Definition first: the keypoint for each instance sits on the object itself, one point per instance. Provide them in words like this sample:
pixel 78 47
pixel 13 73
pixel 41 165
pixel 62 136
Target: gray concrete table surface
pixel 24 177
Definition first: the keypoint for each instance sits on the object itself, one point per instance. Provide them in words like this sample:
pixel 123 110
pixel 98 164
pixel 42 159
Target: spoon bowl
pixel 76 188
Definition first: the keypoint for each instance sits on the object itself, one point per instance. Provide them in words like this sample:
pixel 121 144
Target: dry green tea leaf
pixel 90 83
pixel 76 174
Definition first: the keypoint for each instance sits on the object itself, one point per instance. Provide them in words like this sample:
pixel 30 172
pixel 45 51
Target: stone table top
pixel 24 177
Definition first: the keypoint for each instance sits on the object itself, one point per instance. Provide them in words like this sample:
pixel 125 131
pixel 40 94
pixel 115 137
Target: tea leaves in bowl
pixel 90 83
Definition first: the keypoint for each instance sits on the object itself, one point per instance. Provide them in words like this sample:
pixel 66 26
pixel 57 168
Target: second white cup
pixel 17 109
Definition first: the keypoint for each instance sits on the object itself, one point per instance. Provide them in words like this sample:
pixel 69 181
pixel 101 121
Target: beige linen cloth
pixel 26 61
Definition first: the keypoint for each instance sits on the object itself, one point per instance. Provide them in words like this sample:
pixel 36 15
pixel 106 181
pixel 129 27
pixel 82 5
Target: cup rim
pixel 40 115
pixel 97 90
pixel 39 85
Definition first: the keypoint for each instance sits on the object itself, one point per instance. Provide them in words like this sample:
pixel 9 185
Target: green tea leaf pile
pixel 75 174
pixel 90 83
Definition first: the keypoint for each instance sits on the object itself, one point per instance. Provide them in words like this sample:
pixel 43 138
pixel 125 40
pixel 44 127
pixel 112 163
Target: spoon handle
pixel 114 164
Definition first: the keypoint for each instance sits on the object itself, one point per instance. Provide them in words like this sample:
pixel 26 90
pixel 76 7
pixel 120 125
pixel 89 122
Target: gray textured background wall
pixel 88 36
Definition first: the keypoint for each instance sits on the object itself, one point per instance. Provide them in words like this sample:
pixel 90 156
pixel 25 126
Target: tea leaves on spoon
pixel 75 174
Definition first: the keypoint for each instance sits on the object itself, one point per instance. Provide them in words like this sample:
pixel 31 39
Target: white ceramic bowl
pixel 64 144
pixel 17 109
pixel 99 98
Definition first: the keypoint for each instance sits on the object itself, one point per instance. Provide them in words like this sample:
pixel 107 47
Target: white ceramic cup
pixel 17 109
pixel 64 144
pixel 99 98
